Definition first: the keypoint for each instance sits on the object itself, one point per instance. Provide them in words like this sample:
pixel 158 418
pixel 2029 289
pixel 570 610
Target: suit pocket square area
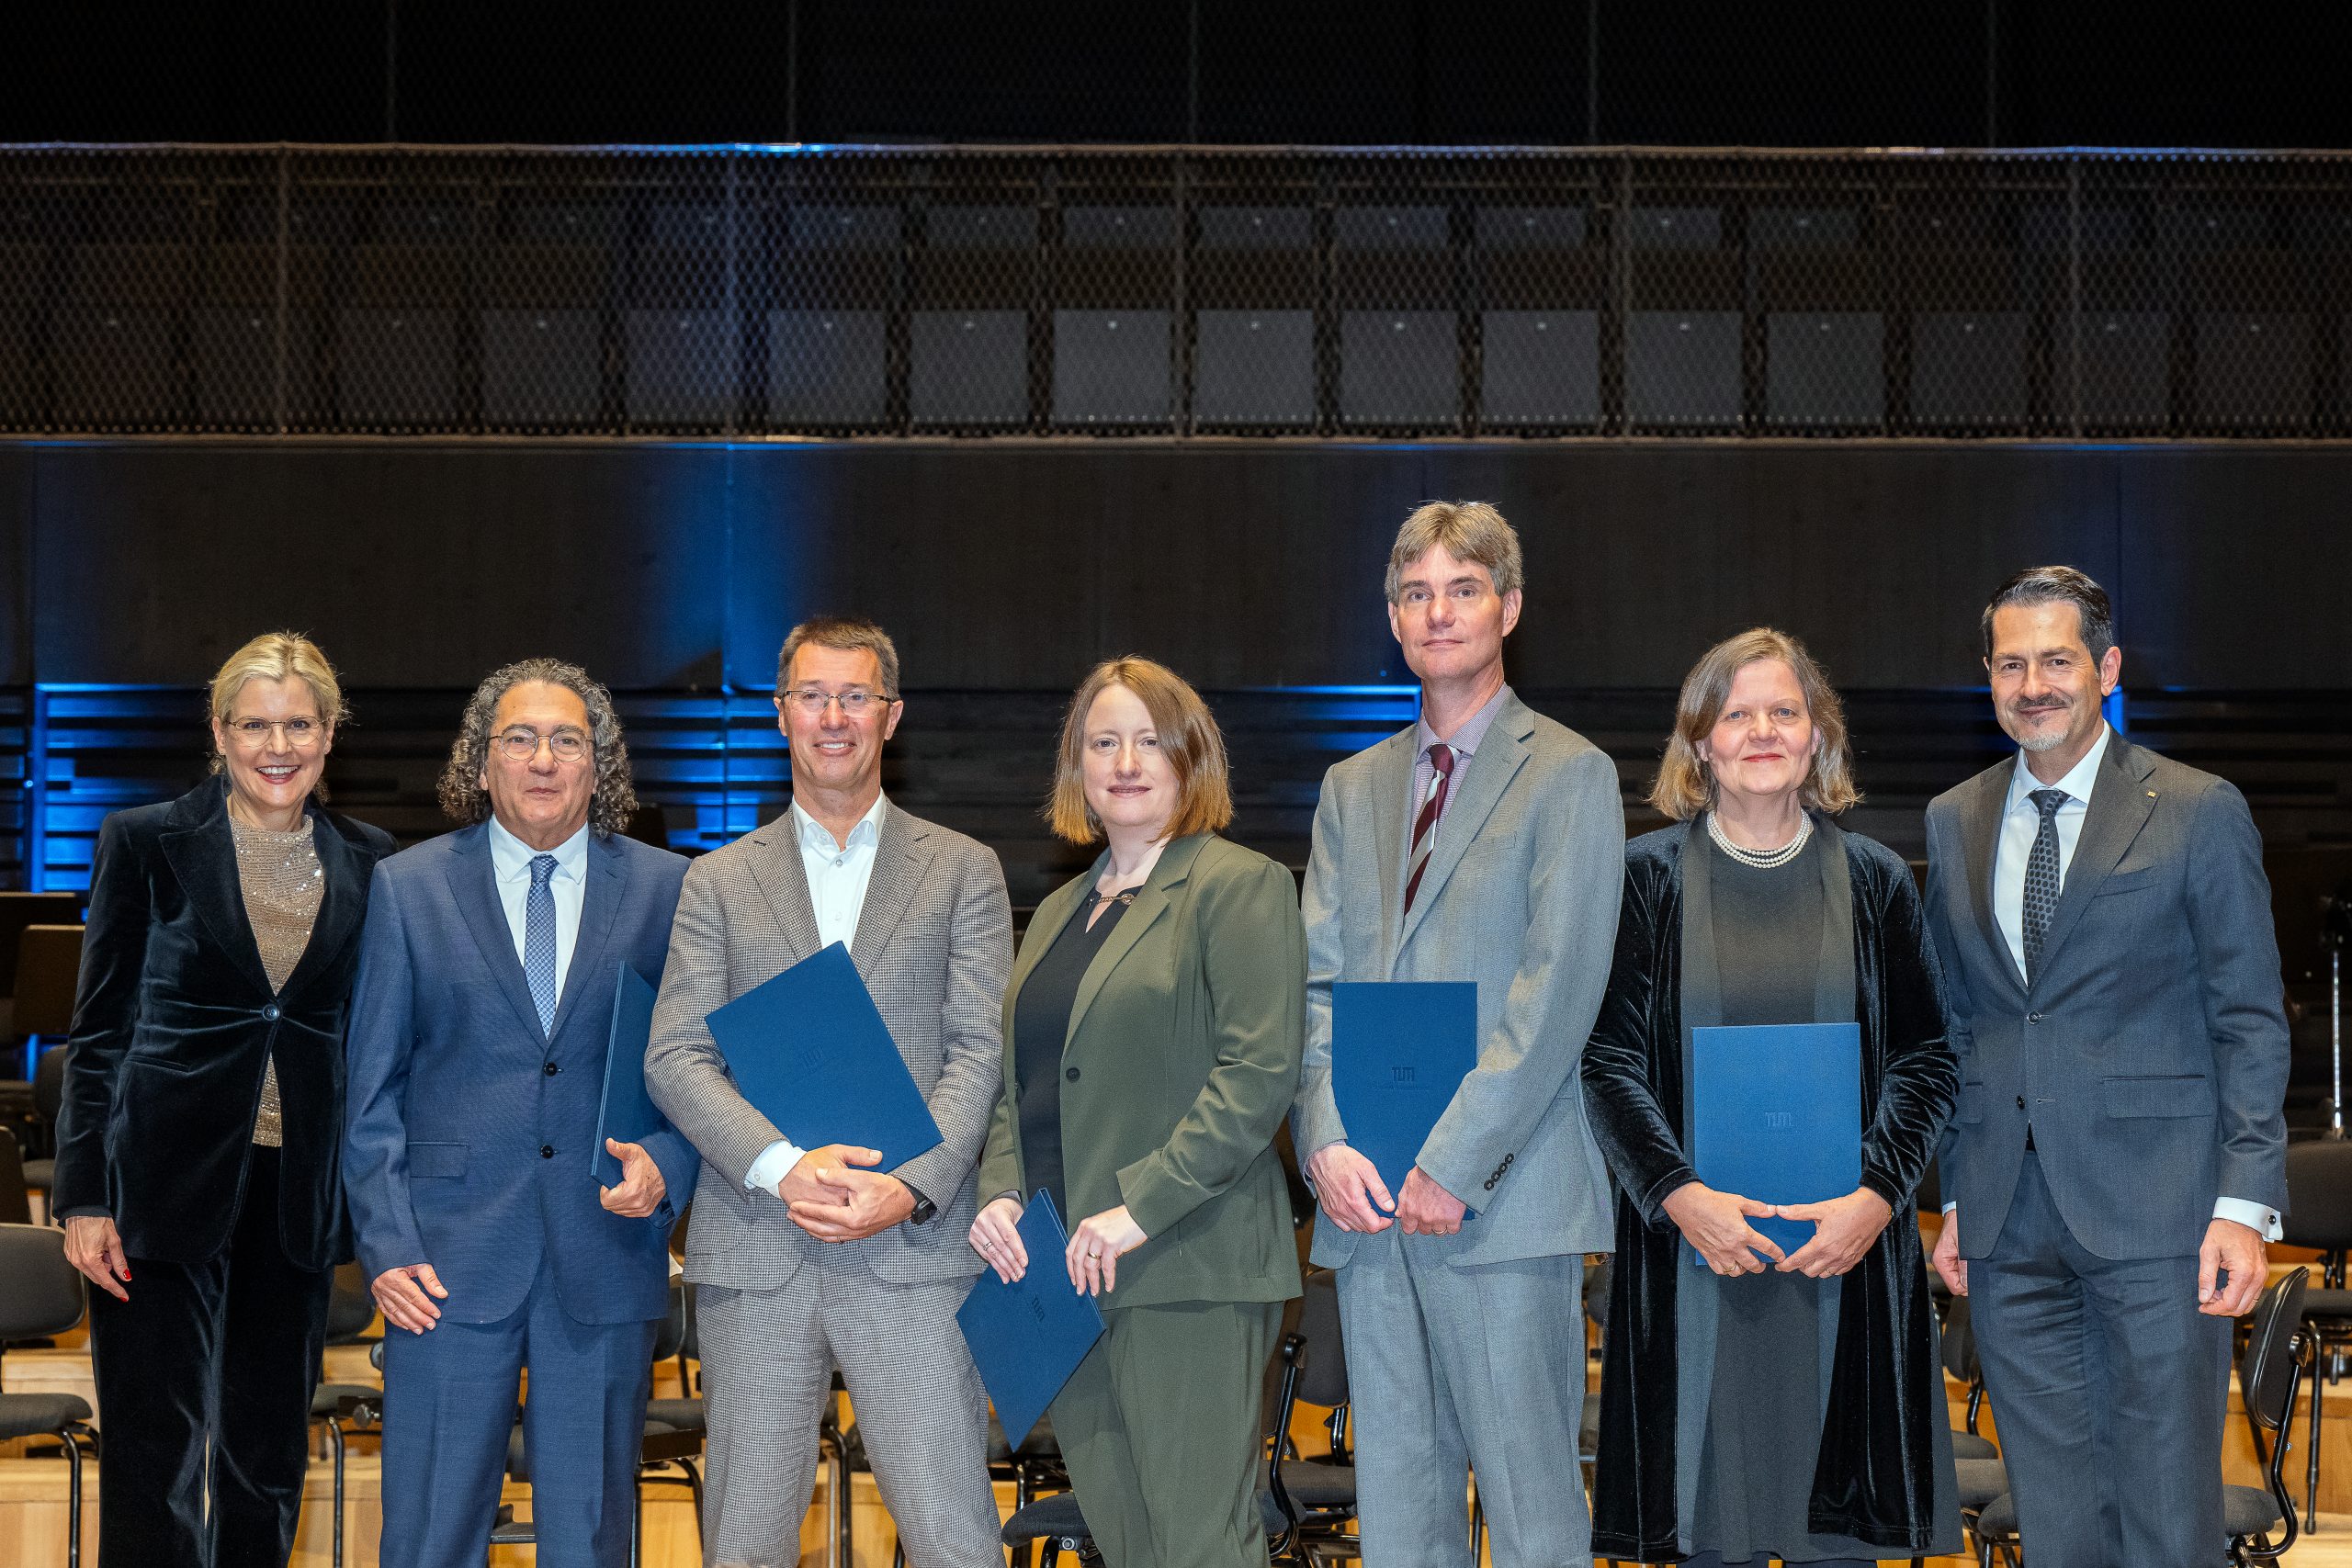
pixel 444 1161
pixel 2188 1094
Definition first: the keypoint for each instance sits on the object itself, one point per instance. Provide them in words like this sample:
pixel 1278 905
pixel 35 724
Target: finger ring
pixel 1094 1252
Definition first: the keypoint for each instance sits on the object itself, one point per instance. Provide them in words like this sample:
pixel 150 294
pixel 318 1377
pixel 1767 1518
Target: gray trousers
pixel 767 1361
pixel 1455 1370
pixel 2109 1389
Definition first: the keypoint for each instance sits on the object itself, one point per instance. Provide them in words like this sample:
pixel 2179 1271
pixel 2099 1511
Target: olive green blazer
pixel 1181 1062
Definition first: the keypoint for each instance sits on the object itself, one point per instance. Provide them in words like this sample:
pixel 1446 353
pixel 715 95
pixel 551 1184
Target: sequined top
pixel 283 885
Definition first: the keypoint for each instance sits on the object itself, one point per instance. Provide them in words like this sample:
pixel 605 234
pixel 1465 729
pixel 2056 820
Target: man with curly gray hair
pixel 481 1019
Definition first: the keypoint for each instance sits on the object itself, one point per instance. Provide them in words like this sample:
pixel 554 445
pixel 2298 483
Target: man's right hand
pixel 406 1296
pixel 1350 1189
pixel 1948 1261
pixel 816 1176
pixel 95 1247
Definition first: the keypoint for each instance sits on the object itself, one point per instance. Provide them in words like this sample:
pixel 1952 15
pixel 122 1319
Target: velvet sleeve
pixel 105 1017
pixel 1639 1140
pixel 1919 1077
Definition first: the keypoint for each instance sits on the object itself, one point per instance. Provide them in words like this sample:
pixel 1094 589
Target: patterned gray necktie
pixel 538 940
pixel 2042 876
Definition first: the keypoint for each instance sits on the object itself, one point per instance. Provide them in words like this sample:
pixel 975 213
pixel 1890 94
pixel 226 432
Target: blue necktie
pixel 2042 883
pixel 538 940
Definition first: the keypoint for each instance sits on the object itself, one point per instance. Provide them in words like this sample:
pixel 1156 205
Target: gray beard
pixel 2043 741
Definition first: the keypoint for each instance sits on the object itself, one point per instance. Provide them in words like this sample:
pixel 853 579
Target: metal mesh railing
pixel 870 291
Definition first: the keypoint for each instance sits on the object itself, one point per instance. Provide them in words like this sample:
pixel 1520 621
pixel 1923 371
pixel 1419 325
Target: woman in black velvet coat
pixel 1688 1466
pixel 198 1145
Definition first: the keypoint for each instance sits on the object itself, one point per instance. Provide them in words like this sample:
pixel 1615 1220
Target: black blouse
pixel 1040 1029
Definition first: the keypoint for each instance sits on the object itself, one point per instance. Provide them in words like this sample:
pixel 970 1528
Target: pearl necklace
pixel 1762 860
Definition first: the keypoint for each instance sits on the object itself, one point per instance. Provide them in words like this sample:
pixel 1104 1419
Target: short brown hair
pixel 1470 531
pixel 1188 738
pixel 847 633
pixel 1685 787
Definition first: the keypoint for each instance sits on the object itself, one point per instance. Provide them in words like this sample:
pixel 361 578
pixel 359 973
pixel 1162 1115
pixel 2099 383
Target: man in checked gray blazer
pixel 1485 843
pixel 2118 1158
pixel 807 1261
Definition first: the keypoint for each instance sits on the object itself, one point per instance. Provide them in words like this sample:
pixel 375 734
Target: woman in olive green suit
pixel 1152 1034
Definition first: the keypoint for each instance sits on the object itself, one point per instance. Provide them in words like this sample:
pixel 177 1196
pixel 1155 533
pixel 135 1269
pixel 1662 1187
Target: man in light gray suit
pixel 1486 844
pixel 806 1260
pixel 2117 1160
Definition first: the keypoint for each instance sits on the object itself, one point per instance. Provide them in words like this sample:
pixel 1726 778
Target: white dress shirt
pixel 2021 822
pixel 510 861
pixel 837 875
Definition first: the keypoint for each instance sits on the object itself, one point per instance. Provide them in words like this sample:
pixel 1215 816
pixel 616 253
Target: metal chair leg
pixel 693 1485
pixel 2310 1476
pixel 335 1441
pixel 73 1498
pixel 840 1555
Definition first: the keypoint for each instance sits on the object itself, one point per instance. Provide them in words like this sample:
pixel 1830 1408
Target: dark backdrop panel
pixel 2237 569
pixel 1011 567
pixel 1639 558
pixel 414 567
pixel 15 566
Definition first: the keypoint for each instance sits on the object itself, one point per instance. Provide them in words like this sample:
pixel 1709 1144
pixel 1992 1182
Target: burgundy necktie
pixel 1425 824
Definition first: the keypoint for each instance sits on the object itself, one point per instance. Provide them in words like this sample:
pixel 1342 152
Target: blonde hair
pixel 1685 787
pixel 278 656
pixel 1188 738
pixel 1469 530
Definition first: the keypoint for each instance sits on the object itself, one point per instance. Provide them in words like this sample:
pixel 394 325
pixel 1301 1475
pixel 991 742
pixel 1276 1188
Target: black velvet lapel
pixel 203 858
pixel 342 907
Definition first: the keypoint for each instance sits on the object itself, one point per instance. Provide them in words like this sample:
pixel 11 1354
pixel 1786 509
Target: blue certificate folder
pixel 1776 1115
pixel 627 1114
pixel 1028 1337
pixel 812 1054
pixel 1399 1049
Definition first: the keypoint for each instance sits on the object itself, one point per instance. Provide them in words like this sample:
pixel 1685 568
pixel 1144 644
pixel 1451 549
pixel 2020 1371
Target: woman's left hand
pixel 1095 1246
pixel 1844 1229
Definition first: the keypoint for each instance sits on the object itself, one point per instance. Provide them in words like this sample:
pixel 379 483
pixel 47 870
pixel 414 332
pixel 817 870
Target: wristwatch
pixel 924 1209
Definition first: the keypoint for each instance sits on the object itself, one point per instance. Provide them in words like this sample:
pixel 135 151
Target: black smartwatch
pixel 924 1209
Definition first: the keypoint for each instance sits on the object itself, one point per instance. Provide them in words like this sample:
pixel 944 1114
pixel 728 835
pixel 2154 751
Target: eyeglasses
pixel 522 743
pixel 302 733
pixel 810 703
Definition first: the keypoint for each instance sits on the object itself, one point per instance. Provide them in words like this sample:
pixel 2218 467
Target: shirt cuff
pixel 2260 1218
pixel 1954 1203
pixel 775 1163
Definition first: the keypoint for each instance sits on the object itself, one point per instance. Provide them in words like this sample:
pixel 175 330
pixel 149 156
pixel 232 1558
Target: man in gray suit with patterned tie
pixel 1485 843
pixel 2117 1160
pixel 806 1260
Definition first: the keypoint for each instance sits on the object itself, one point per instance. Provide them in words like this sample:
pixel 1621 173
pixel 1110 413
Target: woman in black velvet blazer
pixel 200 1139
pixel 1759 744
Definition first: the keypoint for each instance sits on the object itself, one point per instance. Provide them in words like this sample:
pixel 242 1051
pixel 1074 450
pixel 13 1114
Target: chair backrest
pixel 672 1334
pixel 2318 1195
pixel 18 911
pixel 1959 1342
pixel 351 1307
pixel 1595 1293
pixel 49 1085
pixel 1323 1377
pixel 49 964
pixel 16 1202
pixel 2266 1371
pixel 40 1293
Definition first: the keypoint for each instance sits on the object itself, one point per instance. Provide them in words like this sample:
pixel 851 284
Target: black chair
pixel 1960 1358
pixel 2319 1215
pixel 49 1098
pixel 2270 1374
pixel 342 1407
pixel 40 1296
pixel 48 963
pixel 16 1204
pixel 1317 1497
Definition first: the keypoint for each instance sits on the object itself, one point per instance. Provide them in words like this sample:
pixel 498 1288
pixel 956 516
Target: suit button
pixel 547 1151
pixel 2021 1102
pixel 270 1012
pixel 552 1069
pixel 1071 1075
pixel 2033 1018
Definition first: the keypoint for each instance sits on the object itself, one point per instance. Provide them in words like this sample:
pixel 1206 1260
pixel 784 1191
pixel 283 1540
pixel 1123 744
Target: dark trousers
pixel 204 1380
pixel 2109 1388
pixel 449 1397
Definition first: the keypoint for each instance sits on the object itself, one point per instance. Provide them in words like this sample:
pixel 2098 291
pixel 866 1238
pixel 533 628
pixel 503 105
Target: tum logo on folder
pixel 1400 1075
pixel 1780 1120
